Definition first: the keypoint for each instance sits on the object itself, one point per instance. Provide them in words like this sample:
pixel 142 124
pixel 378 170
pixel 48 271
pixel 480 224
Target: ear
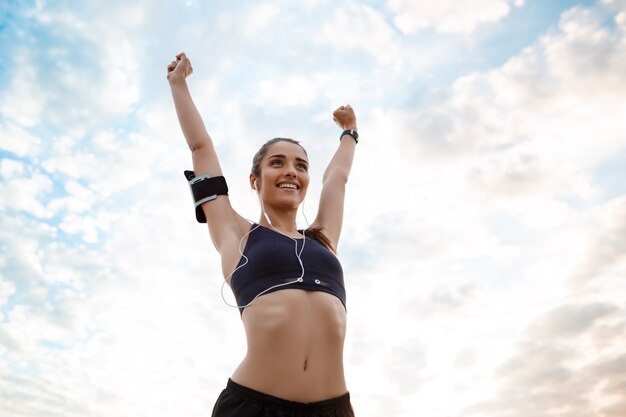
pixel 253 182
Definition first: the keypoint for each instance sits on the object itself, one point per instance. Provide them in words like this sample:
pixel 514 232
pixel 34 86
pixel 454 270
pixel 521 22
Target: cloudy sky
pixel 484 244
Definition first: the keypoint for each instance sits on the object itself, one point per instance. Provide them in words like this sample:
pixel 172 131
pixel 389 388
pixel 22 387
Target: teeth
pixel 284 185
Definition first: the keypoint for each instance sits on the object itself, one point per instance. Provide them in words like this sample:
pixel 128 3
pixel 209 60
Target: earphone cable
pixel 298 256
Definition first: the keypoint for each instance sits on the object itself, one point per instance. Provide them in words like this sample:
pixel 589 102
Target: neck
pixel 283 221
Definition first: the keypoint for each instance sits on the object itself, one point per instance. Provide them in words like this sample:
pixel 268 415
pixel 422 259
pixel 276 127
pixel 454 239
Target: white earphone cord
pixel 298 255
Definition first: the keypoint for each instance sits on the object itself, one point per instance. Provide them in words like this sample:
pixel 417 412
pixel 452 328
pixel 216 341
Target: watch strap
pixel 352 133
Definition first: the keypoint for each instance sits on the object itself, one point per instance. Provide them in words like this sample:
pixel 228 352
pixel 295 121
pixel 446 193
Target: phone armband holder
pixel 205 188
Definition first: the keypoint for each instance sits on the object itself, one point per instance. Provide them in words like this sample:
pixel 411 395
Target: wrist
pixel 350 132
pixel 176 81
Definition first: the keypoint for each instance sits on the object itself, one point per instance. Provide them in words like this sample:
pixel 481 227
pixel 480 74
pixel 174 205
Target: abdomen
pixel 295 345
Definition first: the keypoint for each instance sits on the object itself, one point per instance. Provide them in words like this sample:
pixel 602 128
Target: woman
pixel 288 283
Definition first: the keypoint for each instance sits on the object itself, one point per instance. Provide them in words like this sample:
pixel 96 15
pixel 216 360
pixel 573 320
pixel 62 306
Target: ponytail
pixel 318 234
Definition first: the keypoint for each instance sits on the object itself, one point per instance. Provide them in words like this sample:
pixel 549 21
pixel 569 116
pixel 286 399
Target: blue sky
pixel 483 245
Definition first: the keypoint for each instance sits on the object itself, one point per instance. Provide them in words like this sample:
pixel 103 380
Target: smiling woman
pixel 288 283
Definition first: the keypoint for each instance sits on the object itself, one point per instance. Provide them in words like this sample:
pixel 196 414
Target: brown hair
pixel 316 233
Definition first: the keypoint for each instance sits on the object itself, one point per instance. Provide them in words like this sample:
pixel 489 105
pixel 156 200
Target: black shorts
pixel 239 401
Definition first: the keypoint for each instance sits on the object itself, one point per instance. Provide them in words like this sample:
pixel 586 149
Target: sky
pixel 484 241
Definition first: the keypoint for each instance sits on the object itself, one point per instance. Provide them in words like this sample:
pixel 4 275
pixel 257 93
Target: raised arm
pixel 330 212
pixel 225 225
pixel 198 139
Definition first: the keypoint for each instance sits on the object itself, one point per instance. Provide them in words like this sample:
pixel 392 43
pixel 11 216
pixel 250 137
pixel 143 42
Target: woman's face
pixel 284 175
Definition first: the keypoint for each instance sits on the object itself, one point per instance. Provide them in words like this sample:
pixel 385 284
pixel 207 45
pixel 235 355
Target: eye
pixel 276 162
pixel 303 166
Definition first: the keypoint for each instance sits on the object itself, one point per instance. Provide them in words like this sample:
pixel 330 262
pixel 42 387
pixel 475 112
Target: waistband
pixel 281 403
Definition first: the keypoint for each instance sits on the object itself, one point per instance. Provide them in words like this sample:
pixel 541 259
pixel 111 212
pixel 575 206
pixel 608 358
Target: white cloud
pixel 601 254
pixel 570 320
pixel 11 168
pixel 120 88
pixel 64 94
pixel 19 141
pixel 23 100
pixel 106 141
pixel 24 193
pixel 108 172
pixel 260 19
pixel 7 289
pixel 86 226
pixel 368 31
pixel 109 309
pixel 534 126
pixel 575 375
pixel 79 200
pixel 295 91
pixel 306 91
pixel 448 16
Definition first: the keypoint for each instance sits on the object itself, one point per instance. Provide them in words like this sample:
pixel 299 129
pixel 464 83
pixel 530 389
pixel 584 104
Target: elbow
pixel 195 147
pixel 198 143
pixel 201 149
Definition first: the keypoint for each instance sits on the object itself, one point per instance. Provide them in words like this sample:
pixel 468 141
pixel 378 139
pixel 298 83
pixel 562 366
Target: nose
pixel 291 171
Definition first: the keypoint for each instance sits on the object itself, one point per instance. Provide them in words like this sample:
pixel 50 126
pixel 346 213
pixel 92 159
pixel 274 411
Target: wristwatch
pixel 352 133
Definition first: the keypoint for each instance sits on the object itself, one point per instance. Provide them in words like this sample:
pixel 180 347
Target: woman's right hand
pixel 180 69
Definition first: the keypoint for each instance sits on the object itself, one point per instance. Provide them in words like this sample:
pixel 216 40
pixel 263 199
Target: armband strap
pixel 205 188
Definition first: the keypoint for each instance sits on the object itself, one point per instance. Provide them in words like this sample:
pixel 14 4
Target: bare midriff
pixel 295 346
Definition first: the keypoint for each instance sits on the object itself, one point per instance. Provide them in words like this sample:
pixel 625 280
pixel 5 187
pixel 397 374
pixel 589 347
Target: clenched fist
pixel 344 116
pixel 180 69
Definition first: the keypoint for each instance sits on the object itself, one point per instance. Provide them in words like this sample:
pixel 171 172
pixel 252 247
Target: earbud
pixel 254 185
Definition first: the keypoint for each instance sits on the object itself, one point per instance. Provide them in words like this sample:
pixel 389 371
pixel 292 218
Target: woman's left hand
pixel 344 116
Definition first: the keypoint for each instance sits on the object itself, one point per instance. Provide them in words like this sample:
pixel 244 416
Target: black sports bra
pixel 272 260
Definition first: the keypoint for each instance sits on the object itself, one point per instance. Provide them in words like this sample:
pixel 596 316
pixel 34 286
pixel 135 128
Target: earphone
pixel 254 187
pixel 298 254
